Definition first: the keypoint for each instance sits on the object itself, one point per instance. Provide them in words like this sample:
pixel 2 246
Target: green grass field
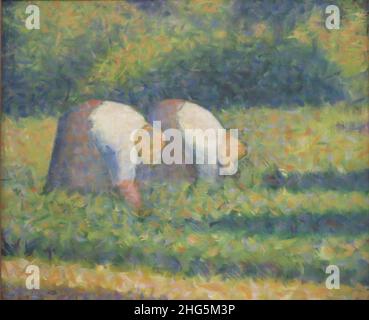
pixel 299 204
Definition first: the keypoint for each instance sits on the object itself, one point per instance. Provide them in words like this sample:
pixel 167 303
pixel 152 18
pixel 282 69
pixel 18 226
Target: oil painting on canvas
pixel 185 150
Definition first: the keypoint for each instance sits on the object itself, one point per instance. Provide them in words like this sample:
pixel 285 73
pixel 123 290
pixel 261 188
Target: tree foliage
pixel 217 53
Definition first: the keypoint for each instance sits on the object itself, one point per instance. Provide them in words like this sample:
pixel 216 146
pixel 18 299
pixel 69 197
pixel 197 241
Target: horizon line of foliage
pixel 217 53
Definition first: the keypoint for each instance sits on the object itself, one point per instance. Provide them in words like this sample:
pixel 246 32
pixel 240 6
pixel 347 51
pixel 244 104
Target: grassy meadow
pixel 297 92
pixel 299 204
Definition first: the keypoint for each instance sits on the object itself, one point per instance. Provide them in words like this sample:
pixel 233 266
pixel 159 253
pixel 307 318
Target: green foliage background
pixel 217 53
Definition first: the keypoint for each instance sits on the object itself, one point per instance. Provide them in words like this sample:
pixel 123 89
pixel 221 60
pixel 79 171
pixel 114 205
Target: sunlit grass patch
pixel 143 283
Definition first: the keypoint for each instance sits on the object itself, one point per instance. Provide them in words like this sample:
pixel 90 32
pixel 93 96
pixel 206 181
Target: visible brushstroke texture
pixel 217 53
pixel 76 163
pixel 92 150
pixel 297 93
pixel 184 115
pixel 165 112
pixel 77 282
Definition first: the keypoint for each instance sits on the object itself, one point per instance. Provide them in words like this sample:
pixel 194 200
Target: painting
pixel 185 150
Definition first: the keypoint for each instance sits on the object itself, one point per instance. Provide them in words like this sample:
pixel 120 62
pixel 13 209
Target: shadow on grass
pixel 14 292
pixel 197 262
pixel 328 180
pixel 297 225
